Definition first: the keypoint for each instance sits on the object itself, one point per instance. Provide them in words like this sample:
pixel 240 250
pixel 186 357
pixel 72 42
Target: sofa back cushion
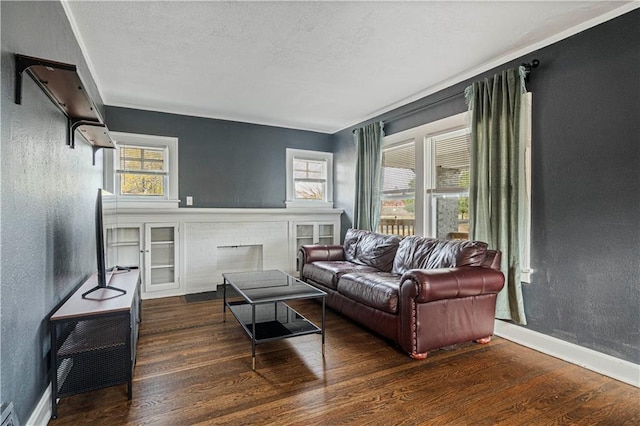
pixel 429 253
pixel 371 249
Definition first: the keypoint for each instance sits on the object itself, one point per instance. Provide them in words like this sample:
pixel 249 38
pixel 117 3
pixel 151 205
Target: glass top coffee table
pixel 261 310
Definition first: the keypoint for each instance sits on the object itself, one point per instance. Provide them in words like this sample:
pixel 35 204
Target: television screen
pixel 105 214
pixel 108 226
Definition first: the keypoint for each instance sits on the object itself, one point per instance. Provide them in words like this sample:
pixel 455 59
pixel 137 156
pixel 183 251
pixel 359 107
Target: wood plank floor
pixel 195 369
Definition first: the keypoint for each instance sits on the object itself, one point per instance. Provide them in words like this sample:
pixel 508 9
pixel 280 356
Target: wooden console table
pixel 93 340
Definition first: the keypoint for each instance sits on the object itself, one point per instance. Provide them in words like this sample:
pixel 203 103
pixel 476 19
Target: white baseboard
pixel 42 413
pixel 607 365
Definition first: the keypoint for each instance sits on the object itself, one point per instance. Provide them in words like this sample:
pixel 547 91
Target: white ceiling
pixel 313 65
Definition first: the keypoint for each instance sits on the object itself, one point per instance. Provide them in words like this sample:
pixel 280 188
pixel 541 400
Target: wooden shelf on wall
pixel 63 86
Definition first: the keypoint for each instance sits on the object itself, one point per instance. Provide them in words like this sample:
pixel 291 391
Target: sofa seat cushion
pixel 378 290
pixel 328 273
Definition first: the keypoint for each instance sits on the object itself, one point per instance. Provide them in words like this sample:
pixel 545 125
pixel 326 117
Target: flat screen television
pixel 105 206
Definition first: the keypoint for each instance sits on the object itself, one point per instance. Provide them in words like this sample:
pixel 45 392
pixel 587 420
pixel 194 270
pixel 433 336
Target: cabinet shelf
pixel 125 243
pixel 161 266
pixel 162 242
pixel 63 86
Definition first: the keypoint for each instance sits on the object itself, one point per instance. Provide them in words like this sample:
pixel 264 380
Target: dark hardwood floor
pixel 192 368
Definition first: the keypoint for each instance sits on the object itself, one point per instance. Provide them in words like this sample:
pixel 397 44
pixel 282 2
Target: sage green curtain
pixel 368 141
pixel 497 163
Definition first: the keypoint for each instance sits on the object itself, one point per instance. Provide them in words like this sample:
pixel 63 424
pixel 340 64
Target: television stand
pixel 108 287
pixel 93 341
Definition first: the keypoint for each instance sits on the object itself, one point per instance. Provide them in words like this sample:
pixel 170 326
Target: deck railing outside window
pixel 396 226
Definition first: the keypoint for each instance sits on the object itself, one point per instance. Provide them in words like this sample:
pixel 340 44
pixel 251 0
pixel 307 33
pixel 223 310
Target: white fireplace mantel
pixel 205 235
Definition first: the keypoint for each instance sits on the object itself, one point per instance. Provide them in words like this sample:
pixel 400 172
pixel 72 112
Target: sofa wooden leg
pixel 484 340
pixel 419 356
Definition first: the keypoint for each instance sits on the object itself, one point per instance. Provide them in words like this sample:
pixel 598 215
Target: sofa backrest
pixel 417 252
pixel 371 249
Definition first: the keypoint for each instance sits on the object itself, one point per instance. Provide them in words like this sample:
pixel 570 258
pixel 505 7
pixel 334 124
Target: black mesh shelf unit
pixel 94 355
pixel 93 341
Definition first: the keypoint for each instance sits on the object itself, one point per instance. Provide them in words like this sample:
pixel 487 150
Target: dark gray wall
pixel 586 184
pixel 47 201
pixel 224 163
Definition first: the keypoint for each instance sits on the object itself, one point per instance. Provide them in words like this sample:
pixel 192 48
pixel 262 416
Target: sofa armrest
pixel 425 285
pixel 314 253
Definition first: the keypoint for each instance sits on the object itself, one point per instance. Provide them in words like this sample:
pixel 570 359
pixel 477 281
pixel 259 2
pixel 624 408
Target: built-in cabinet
pixel 306 233
pixel 161 257
pixel 314 233
pixel 124 245
pixel 181 251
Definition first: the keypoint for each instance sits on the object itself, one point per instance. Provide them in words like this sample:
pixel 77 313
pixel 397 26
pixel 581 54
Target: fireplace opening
pixel 241 258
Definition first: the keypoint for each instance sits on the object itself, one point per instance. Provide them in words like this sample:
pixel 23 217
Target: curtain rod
pixel 527 65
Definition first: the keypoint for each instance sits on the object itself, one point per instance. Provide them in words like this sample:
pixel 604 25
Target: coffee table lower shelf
pixel 271 321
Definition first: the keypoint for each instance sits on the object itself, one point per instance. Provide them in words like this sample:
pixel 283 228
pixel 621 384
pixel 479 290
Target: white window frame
pixel 424 160
pixel 112 178
pixel 431 185
pixel 418 176
pixel 525 238
pixel 327 158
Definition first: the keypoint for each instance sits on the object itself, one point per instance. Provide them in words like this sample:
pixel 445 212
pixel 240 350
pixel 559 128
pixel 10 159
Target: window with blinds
pixel 398 197
pixel 451 165
pixel 142 170
pixel 450 184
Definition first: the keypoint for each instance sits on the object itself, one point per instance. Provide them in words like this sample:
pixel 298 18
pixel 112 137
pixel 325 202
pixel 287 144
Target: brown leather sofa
pixel 421 293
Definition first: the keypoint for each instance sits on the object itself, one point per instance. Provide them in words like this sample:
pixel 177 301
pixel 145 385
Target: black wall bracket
pixel 63 86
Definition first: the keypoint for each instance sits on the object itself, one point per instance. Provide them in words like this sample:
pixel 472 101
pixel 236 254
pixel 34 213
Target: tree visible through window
pixel 142 170
pixel 310 178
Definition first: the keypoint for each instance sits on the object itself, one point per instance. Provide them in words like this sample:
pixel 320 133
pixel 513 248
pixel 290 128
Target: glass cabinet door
pixel 124 245
pixel 308 233
pixel 161 256
pixel 304 234
pixel 325 233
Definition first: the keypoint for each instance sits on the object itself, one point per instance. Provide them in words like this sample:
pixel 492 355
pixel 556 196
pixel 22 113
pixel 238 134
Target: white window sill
pixel 308 204
pixel 147 204
pixel 525 275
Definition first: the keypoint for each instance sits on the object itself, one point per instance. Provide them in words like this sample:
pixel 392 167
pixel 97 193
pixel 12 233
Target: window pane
pixel 153 165
pixel 132 165
pixel 135 158
pixel 309 169
pixel 452 153
pixel 153 154
pixel 309 190
pixel 131 152
pixel 141 184
pixel 397 213
pixel 452 216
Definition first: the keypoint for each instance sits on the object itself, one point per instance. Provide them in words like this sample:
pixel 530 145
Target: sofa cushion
pixel 378 290
pixel 328 273
pixel 417 252
pixel 370 248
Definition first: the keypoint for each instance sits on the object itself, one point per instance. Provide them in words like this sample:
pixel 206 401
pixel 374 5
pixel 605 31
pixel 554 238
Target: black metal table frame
pixel 252 333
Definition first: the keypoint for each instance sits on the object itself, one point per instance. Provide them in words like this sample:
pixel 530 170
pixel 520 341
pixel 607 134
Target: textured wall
pixel 224 163
pixel 586 184
pixel 47 201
